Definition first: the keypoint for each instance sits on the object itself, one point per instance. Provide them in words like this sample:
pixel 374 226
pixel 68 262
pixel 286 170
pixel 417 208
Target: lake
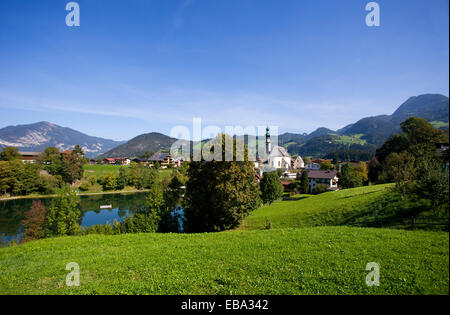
pixel 12 211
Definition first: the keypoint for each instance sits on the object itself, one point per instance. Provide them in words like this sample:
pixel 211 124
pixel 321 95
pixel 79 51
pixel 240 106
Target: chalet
pixel 109 161
pixel 122 161
pixel 29 157
pixel 297 163
pixel 164 159
pixel 323 177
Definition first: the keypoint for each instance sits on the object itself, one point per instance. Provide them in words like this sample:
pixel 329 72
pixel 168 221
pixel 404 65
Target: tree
pixel 304 183
pixel 362 172
pixel 34 221
pixel 147 220
pixel 10 154
pixel 348 178
pixel 307 160
pixel 326 165
pixel 335 158
pixel 64 215
pixel 72 165
pixel 123 179
pixel 374 170
pixel 51 160
pixel 418 130
pixel 397 144
pixel 271 188
pixel 433 184
pixel 219 194
pixel 109 182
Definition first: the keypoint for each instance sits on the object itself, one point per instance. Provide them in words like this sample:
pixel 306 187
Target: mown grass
pixel 101 170
pixel 324 260
pixel 331 208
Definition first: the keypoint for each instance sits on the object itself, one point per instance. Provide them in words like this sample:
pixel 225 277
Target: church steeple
pixel 268 141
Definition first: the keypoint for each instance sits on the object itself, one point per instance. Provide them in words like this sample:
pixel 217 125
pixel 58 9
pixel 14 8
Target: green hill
pixel 372 130
pixel 332 208
pixel 368 206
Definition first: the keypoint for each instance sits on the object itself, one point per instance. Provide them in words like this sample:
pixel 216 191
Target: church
pixel 277 158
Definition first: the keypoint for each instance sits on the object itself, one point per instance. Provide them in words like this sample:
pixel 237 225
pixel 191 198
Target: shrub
pixel 271 188
pixel 64 213
pixel 320 188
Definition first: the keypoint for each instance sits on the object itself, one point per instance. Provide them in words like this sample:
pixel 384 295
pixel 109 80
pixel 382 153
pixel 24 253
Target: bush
pixel 64 213
pixel 271 188
pixel 320 188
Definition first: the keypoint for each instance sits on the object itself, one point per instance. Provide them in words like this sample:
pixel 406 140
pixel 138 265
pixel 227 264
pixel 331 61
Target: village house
pixel 29 157
pixel 109 161
pixel 329 178
pixel 164 159
pixel 297 163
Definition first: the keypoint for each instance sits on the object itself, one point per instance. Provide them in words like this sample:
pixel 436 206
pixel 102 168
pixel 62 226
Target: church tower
pixel 268 142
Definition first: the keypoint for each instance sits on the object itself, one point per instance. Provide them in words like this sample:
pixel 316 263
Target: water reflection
pixel 12 211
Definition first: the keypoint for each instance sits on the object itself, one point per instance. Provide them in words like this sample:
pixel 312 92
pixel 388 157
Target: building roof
pixel 278 151
pixel 30 153
pixel 158 156
pixel 321 174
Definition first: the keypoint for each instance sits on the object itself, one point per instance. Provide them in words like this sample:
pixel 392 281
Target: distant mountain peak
pixel 40 135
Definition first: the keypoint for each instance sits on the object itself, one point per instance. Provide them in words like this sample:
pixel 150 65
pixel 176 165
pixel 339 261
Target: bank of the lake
pixel 120 205
pixel 37 196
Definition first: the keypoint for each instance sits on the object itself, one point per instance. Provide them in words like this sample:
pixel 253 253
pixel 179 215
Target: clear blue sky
pixel 138 66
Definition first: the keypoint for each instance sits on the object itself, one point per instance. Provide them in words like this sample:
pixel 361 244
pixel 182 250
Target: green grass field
pixel 354 139
pixel 302 254
pixel 324 260
pixel 331 208
pixel 101 170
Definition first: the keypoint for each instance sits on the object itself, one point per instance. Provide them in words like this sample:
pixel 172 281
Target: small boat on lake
pixel 106 207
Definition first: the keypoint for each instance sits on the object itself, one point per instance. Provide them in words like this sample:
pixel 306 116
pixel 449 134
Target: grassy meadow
pixel 331 208
pixel 308 250
pixel 324 260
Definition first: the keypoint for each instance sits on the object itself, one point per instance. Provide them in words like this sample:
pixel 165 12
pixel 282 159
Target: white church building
pixel 277 157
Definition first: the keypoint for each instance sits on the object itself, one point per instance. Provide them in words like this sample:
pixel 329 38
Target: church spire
pixel 268 141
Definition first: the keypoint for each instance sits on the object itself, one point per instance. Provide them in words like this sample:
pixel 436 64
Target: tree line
pixel 18 178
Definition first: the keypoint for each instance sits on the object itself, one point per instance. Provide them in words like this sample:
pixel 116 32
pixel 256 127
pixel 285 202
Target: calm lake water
pixel 12 211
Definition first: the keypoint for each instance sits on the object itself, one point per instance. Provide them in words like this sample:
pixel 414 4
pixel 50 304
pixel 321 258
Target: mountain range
pixel 38 136
pixel 363 136
pixel 370 132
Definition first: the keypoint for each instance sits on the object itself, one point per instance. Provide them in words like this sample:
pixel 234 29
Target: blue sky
pixel 139 66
